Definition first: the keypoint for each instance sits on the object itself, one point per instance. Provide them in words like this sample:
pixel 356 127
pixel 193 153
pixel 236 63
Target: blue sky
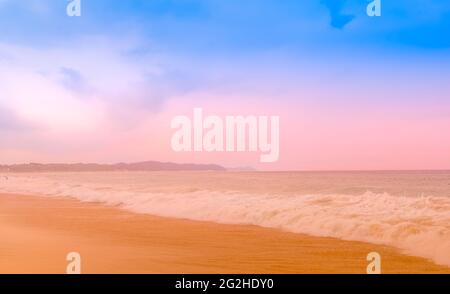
pixel 250 25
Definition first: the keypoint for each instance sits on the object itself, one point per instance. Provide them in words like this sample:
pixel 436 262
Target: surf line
pixel 230 134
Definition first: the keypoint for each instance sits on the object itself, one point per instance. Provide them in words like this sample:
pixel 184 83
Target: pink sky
pixel 328 121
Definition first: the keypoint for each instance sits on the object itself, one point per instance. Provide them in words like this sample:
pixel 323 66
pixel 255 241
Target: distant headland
pixel 90 167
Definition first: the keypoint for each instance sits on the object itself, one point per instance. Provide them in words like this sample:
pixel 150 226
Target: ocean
pixel 408 210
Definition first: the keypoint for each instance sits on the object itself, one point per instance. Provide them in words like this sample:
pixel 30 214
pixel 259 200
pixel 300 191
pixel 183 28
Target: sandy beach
pixel 37 233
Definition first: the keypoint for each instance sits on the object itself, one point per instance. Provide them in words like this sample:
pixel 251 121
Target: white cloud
pixel 33 83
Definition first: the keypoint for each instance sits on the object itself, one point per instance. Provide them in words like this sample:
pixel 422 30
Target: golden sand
pixel 37 233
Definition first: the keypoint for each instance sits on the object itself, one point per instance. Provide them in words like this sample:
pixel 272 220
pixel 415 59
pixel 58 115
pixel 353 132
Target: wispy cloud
pixel 9 122
pixel 339 19
pixel 74 81
pixel 90 82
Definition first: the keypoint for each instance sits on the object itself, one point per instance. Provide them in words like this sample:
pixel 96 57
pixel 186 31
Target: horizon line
pixel 230 169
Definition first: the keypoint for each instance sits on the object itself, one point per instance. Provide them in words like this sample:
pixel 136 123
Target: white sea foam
pixel 418 225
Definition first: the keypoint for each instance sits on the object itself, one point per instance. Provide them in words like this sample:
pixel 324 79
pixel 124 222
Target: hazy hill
pixel 137 166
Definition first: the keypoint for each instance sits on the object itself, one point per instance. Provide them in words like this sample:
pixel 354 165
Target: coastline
pixel 38 232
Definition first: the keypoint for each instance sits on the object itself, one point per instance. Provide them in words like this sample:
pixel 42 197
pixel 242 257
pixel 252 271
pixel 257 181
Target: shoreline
pixel 38 232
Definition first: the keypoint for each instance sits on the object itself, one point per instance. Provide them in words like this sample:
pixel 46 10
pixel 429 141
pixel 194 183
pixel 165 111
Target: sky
pixel 353 92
